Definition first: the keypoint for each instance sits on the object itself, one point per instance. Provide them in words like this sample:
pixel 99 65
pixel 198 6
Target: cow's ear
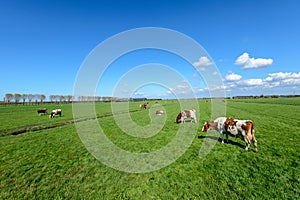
pixel 235 122
pixel 227 121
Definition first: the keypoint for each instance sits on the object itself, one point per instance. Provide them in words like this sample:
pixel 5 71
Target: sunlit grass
pixel 54 164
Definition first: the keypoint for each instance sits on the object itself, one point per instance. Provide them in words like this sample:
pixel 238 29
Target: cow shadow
pixel 231 142
pixel 186 121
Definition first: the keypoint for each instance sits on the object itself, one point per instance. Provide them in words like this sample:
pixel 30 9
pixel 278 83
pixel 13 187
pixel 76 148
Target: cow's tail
pixel 253 136
pixel 251 128
pixel 178 118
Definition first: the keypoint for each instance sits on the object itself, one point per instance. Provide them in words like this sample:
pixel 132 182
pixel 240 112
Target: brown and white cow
pixel 219 125
pixel 243 129
pixel 143 106
pixel 55 112
pixel 159 112
pixel 41 111
pixel 186 114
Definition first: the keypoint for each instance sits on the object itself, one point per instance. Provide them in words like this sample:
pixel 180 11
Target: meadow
pixel 51 162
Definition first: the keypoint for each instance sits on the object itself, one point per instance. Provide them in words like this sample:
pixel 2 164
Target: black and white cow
pixel 55 112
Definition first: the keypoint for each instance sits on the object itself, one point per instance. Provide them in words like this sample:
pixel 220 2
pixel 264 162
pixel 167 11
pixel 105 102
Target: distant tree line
pixel 264 96
pixel 108 99
pixel 22 98
pixel 41 98
pixel 35 98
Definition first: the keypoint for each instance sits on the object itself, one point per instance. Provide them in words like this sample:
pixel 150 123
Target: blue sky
pixel 254 44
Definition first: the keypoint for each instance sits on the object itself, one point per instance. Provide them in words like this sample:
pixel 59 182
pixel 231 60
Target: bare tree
pixel 82 98
pixel 24 97
pixel 36 97
pixel 30 97
pixel 17 97
pixel 9 97
pixel 52 97
pixel 42 97
pixel 98 98
pixel 61 98
pixel 69 97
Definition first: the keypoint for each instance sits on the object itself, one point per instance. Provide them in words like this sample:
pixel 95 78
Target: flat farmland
pixel 51 162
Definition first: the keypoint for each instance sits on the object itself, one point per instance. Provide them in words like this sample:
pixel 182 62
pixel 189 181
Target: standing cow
pixel 143 106
pixel 41 111
pixel 219 125
pixel 55 112
pixel 244 129
pixel 183 115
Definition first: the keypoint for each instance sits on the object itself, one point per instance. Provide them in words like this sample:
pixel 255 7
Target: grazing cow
pixel 186 114
pixel 42 111
pixel 55 112
pixel 143 106
pixel 244 129
pixel 219 125
pixel 159 112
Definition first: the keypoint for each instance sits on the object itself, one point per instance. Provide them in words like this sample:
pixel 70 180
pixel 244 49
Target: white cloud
pixel 248 63
pixel 202 62
pixel 233 77
pixel 236 85
pixel 182 89
pixel 179 88
pixel 139 93
pixel 291 82
pixel 282 75
pixel 283 79
pixel 274 83
pixel 251 82
pixel 215 73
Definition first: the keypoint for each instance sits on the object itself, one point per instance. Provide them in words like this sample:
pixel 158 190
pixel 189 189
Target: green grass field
pixel 53 163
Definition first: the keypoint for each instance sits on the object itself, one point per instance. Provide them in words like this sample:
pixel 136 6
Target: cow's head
pixel 230 125
pixel 178 118
pixel 52 114
pixel 205 127
pixel 208 126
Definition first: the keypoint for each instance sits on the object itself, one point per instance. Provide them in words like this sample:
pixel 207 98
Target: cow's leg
pixel 227 137
pixel 222 136
pixel 246 139
pixel 254 143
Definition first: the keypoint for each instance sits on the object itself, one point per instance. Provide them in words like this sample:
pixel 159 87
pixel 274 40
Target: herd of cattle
pixel 243 129
pixel 54 112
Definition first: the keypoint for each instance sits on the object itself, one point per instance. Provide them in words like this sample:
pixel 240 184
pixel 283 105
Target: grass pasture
pixel 54 164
